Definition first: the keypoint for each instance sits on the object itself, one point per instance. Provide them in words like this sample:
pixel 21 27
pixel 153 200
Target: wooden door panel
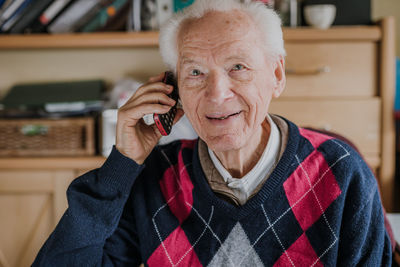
pixel 31 204
pixel 25 219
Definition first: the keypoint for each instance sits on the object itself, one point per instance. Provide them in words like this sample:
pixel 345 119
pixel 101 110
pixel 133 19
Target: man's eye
pixel 238 67
pixel 195 72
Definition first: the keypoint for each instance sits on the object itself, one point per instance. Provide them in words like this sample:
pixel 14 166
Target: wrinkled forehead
pixel 222 34
pixel 216 25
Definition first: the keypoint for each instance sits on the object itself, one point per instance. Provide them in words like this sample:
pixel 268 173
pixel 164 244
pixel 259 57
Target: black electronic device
pixel 165 121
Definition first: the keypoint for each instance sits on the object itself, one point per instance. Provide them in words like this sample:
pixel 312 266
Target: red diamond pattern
pixel 175 250
pixel 316 139
pixel 308 205
pixel 300 253
pixel 177 187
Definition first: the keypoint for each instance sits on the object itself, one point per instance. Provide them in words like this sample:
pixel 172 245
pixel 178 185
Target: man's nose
pixel 219 87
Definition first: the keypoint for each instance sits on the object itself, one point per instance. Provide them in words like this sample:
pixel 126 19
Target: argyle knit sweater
pixel 319 207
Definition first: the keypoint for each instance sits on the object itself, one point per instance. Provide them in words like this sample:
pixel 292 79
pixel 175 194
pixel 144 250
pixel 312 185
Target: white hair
pixel 265 19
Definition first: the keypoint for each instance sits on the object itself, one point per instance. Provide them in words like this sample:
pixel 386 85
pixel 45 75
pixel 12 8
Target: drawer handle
pixel 320 70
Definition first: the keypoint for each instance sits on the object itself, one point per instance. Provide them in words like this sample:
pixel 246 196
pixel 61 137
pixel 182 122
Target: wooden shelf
pixel 79 40
pixel 337 33
pixel 51 163
pixel 150 39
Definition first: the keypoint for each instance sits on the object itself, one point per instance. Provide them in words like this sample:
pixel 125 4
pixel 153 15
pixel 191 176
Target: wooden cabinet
pixel 330 68
pixel 32 201
pixel 341 79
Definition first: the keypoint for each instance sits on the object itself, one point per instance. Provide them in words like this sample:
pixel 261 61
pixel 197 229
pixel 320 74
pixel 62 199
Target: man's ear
pixel 279 76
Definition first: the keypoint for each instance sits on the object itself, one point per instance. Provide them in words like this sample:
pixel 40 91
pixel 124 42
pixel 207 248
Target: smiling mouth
pixel 224 117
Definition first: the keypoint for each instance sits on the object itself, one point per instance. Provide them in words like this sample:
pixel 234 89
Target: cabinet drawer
pixel 357 120
pixel 351 69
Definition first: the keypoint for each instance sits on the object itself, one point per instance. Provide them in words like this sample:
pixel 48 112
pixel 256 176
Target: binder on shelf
pixel 9 10
pixel 104 15
pixel 66 22
pixel 68 98
pixel 52 10
pixel 148 15
pixel 134 16
pixel 5 4
pixel 48 15
pixel 88 16
pixel 29 14
pixel 2 2
pixel 39 25
pixel 6 26
pixel 119 21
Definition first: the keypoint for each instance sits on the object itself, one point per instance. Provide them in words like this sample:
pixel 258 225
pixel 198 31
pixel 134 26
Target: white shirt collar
pixel 243 187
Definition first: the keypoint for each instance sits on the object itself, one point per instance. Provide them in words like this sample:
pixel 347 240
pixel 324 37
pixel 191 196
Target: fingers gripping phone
pixel 165 121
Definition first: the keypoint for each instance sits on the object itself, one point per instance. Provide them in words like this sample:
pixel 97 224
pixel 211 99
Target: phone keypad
pixel 165 121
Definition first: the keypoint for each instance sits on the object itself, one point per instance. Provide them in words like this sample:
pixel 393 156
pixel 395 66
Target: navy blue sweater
pixel 320 206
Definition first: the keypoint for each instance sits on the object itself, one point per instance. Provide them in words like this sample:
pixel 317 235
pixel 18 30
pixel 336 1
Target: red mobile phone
pixel 164 121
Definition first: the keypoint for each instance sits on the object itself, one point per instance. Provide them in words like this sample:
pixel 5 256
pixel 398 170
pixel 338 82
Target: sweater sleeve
pixel 363 237
pixel 94 230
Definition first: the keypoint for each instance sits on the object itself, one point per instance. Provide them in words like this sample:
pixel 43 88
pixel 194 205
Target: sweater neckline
pixel 277 177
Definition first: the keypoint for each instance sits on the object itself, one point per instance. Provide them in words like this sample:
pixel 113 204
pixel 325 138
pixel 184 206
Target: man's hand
pixel 134 138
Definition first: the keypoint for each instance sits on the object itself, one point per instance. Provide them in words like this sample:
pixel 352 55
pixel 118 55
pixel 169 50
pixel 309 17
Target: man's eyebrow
pixel 239 56
pixel 186 60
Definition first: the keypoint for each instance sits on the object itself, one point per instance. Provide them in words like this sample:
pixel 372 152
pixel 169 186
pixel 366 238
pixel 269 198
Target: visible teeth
pixel 223 118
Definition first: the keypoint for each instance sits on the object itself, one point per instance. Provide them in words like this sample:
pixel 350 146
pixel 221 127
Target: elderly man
pixel 253 190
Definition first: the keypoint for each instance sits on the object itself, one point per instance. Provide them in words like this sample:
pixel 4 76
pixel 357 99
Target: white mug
pixel 320 16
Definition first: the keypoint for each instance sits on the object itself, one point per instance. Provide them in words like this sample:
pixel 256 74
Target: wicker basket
pixel 47 137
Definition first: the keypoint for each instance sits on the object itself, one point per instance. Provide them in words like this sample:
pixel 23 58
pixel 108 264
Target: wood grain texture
pixel 315 69
pixel 79 40
pixel 387 91
pixel 358 119
pixel 51 163
pixel 31 204
pixel 150 39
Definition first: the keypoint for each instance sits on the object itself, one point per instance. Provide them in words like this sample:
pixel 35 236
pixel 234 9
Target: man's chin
pixel 224 143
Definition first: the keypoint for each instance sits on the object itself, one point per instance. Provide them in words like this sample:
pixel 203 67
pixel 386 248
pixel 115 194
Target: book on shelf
pixel 67 21
pixel 136 19
pixel 51 11
pixel 3 3
pixel 65 16
pixel 133 22
pixel 90 15
pixel 7 12
pixel 148 15
pixel 47 16
pixel 29 14
pixel 78 24
pixel 119 21
pixel 104 15
pixel 15 16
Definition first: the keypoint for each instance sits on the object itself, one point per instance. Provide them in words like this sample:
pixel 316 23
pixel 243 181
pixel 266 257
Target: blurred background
pixel 67 65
